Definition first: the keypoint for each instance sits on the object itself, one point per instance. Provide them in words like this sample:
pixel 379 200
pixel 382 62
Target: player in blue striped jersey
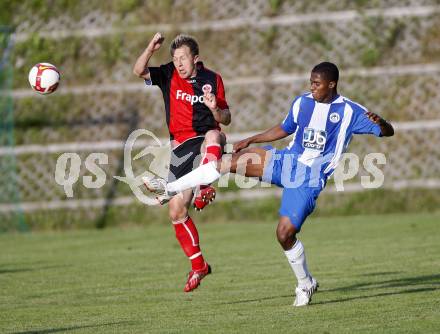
pixel 322 123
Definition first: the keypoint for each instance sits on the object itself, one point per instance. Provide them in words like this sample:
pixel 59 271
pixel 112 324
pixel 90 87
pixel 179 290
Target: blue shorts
pixel 299 195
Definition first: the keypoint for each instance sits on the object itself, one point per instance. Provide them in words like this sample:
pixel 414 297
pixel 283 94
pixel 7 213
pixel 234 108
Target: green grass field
pixel 378 274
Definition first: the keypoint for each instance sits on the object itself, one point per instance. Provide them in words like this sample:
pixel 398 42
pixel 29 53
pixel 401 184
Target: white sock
pixel 205 174
pixel 297 260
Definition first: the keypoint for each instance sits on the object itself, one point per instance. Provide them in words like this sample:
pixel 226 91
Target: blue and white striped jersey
pixel 322 131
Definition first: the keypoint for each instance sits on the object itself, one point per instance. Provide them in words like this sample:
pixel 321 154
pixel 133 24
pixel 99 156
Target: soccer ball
pixel 44 78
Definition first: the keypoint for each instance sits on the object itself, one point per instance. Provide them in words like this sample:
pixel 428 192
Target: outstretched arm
pixel 272 134
pixel 140 68
pixel 386 128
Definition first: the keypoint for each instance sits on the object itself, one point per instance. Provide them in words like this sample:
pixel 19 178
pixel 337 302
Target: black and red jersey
pixel 186 114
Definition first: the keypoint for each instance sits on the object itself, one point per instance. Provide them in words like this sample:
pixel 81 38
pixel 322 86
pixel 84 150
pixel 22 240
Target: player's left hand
pixel 242 144
pixel 375 118
pixel 210 101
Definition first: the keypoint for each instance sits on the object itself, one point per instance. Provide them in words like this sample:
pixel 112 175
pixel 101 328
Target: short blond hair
pixel 182 40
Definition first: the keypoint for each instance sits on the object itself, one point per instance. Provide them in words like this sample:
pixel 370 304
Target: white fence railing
pixel 405 80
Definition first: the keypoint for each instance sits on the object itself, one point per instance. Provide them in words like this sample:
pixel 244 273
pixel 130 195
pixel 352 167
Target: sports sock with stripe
pixel 213 152
pixel 188 237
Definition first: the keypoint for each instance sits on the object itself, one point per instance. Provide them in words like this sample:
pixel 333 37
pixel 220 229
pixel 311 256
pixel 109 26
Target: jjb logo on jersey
pixel 314 139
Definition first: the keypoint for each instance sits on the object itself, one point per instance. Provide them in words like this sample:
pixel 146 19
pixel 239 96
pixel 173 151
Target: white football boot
pixel 157 186
pixel 304 295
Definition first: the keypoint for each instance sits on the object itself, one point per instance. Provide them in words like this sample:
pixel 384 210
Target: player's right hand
pixel 156 42
pixel 241 145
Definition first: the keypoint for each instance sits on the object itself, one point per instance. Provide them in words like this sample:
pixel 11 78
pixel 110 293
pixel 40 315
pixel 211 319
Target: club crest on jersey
pixel 314 139
pixel 207 88
pixel 334 117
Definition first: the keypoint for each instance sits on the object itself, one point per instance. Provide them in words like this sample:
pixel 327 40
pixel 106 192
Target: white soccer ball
pixel 44 78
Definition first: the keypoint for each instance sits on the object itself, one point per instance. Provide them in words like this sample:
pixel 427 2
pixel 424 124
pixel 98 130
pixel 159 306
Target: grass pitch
pixel 378 274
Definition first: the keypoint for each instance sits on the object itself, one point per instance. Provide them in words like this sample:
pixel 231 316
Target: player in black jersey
pixel 195 106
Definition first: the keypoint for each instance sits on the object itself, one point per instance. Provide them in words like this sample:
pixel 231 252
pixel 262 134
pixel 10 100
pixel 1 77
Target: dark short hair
pixel 328 70
pixel 182 40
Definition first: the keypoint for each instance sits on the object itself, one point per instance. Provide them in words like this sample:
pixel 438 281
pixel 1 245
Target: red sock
pixel 188 237
pixel 213 153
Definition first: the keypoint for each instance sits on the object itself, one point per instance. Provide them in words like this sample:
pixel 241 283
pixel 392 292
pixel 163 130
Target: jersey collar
pixel 200 67
pixel 338 99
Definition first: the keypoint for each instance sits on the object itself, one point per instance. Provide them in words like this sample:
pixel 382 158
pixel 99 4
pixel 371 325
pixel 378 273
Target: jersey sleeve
pixel 221 97
pixel 289 124
pixel 160 75
pixel 363 125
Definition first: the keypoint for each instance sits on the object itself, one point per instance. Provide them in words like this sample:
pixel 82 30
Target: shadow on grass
pixel 383 273
pixel 394 283
pixel 12 271
pixel 72 328
pixel 20 270
pixel 256 299
pixel 384 294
